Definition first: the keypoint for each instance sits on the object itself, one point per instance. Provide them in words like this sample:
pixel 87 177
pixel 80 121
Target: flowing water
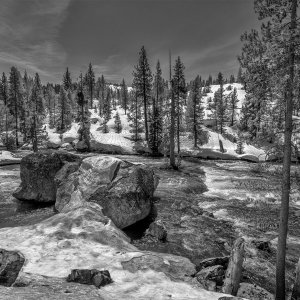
pixel 12 211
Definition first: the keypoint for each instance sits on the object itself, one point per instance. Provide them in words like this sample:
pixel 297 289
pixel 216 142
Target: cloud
pixel 28 34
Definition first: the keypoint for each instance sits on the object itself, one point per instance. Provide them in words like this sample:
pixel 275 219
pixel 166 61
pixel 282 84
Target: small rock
pixel 11 263
pixel 208 214
pixel 213 261
pixel 213 273
pixel 81 146
pixel 158 230
pixel 263 245
pixel 253 292
pixel 91 277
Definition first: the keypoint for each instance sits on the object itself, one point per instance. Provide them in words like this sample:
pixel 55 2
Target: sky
pixel 47 36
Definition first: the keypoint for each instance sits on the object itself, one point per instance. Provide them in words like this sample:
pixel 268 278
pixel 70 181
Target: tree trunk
pixel 136 117
pixel 172 132
pixel 145 113
pixel 178 126
pixel 296 288
pixel 195 126
pixel 284 212
pixel 16 114
pixel 234 270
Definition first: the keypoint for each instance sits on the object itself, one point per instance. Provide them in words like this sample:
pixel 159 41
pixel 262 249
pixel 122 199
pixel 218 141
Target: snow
pixel 112 138
pixel 81 239
pixel 72 133
pixel 7 155
pixel 53 136
pixel 229 147
pixel 240 95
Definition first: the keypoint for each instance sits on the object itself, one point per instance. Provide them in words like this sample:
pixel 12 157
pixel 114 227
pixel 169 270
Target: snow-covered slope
pixel 116 141
pixel 240 95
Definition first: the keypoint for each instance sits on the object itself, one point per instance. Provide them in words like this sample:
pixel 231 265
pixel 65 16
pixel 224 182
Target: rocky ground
pixel 208 204
pixel 198 212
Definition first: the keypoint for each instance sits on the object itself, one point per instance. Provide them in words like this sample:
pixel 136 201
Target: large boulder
pixel 37 173
pixel 98 147
pixel 11 263
pixel 122 189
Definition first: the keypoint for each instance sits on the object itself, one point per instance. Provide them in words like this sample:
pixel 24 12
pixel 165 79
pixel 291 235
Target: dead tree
pixel 234 270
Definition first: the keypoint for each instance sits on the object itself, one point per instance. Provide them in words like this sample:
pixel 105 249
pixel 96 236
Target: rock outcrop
pixel 37 172
pixel 122 189
pixel 11 263
pixel 86 239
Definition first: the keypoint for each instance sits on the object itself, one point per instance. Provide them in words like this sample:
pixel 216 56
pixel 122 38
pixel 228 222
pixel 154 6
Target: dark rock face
pixel 37 174
pixel 91 277
pixel 214 261
pixel 122 189
pixel 11 263
pixel 263 245
pixel 213 273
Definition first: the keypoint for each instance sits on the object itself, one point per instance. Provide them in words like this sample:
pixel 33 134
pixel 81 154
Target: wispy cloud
pixel 28 34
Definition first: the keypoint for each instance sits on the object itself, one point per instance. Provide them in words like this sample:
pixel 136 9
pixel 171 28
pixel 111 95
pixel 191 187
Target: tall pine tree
pixel 179 94
pixel 142 82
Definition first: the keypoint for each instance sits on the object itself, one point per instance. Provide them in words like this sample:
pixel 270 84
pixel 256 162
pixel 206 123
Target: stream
pixel 12 211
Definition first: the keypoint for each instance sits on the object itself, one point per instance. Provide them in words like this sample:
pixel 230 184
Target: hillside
pixel 121 143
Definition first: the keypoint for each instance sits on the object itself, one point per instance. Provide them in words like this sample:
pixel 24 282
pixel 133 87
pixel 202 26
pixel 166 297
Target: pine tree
pixel 105 128
pixel 118 124
pixel 50 102
pixel 240 145
pixel 124 96
pixel 5 96
pixel 239 76
pixel 107 104
pixel 67 81
pixel 195 110
pixel 179 92
pixel 219 105
pixel 232 79
pixel 90 83
pixel 64 108
pixel 15 98
pixel 102 90
pixel 156 127
pixel 36 110
pixel 233 101
pixel 142 81
pixel 134 117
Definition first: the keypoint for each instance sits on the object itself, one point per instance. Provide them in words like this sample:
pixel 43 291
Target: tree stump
pixel 234 270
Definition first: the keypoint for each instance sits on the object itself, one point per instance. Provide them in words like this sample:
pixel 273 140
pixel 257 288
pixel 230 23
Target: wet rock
pixel 174 267
pixel 253 292
pixel 53 144
pixel 37 171
pixel 67 146
pixel 213 273
pixel 81 146
pixel 157 230
pixel 263 245
pixel 91 277
pixel 106 148
pixel 11 263
pixel 249 157
pixel 123 190
pixel 214 261
pixel 208 214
